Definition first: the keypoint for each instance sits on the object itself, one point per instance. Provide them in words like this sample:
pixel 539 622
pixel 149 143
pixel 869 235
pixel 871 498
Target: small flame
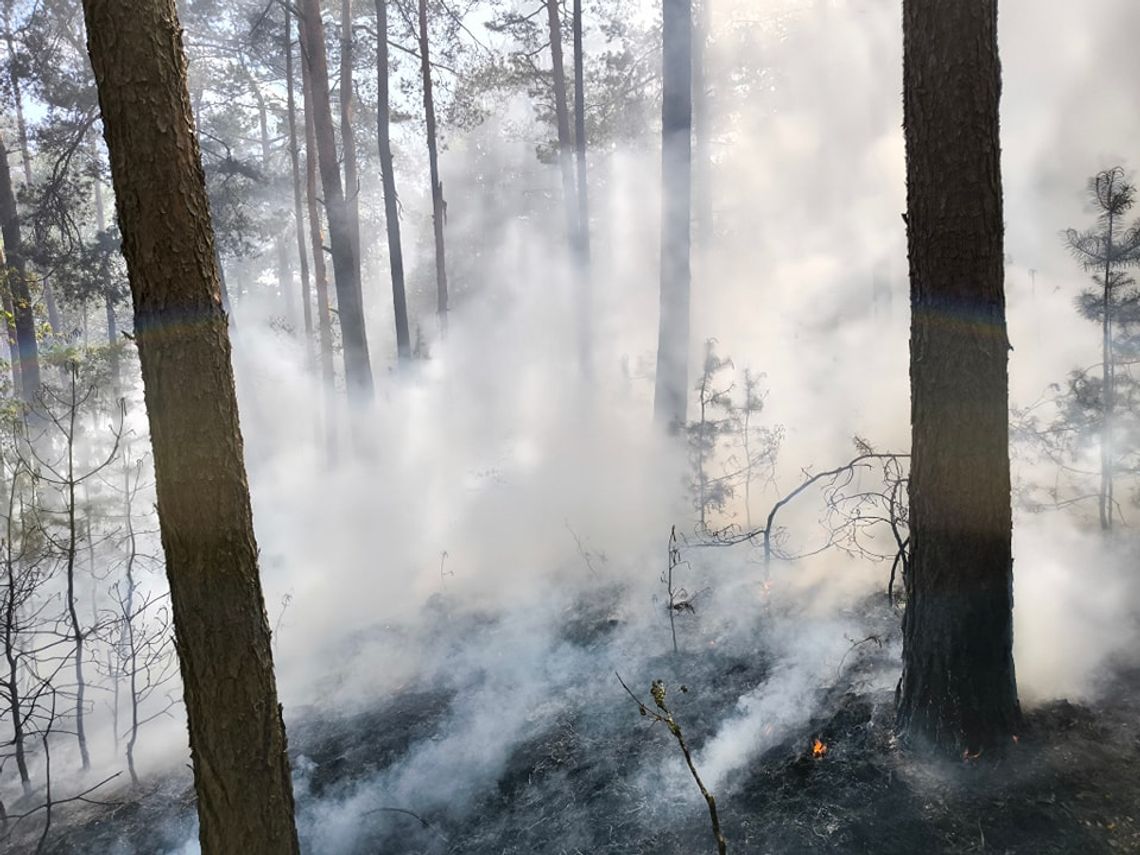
pixel 967 755
pixel 818 749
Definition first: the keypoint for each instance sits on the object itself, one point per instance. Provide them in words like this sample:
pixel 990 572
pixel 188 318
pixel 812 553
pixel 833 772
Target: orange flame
pixel 818 749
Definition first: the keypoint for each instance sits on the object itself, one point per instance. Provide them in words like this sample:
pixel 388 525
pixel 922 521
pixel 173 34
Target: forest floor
pixel 575 779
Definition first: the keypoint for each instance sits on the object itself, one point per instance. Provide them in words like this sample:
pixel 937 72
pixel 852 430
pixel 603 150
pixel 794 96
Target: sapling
pixel 663 715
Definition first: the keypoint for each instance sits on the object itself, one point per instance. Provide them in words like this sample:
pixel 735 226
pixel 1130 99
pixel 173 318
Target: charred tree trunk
pixel 237 736
pixel 391 200
pixel 671 388
pixel 298 192
pixel 26 346
pixel 438 207
pixel 357 367
pixel 958 692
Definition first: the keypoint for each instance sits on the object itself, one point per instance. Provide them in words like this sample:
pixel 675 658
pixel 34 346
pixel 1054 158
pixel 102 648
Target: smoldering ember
pixel 500 426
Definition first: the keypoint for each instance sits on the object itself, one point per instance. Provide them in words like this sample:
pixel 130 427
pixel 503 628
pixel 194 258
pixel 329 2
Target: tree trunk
pixel 348 138
pixel 562 115
pixel 357 367
pixel 109 301
pixel 295 163
pixel 958 692
pixel 237 736
pixel 580 134
pixel 585 283
pixel 391 200
pixel 438 207
pixel 1108 381
pixel 281 258
pixel 671 388
pixel 702 130
pixel 26 347
pixel 10 328
pixel 320 269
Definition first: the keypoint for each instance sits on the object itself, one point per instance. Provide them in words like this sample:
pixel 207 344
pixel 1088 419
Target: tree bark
pixel 391 200
pixel 26 347
pixel 357 366
pixel 958 692
pixel 672 381
pixel 237 736
pixel 438 209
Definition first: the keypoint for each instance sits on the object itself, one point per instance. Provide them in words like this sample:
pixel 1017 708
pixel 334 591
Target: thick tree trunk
pixel 348 137
pixel 438 207
pixel 958 692
pixel 26 347
pixel 298 192
pixel 672 382
pixel 237 737
pixel 391 200
pixel 357 367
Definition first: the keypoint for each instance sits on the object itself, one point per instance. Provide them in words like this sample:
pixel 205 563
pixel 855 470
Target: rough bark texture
pixel 391 200
pixel 958 692
pixel 26 347
pixel 437 203
pixel 237 737
pixel 357 366
pixel 672 382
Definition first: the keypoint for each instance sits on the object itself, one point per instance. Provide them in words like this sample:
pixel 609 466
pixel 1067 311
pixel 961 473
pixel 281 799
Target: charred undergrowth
pixel 568 766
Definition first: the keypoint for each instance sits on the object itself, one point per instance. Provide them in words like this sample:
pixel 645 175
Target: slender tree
pixel 438 209
pixel 237 736
pixel 671 392
pixel 348 136
pixel 27 348
pixel 298 190
pixel 562 120
pixel 580 134
pixel 958 692
pixel 357 366
pixel 1107 251
pixel 391 200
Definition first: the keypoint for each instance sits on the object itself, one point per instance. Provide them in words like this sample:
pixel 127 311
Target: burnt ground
pixel 585 775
